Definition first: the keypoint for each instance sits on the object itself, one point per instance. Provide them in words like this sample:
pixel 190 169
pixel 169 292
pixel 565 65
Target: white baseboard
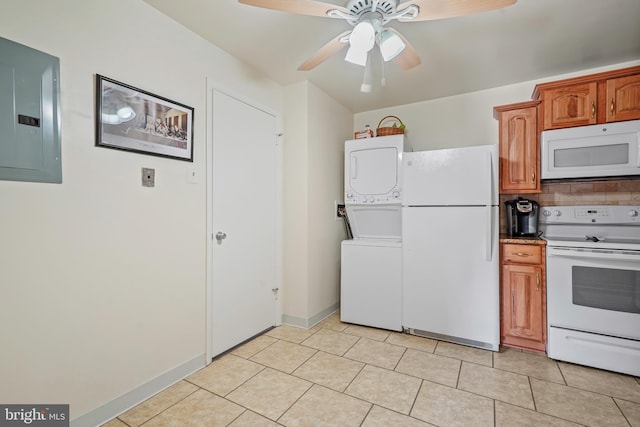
pixel 139 394
pixel 312 321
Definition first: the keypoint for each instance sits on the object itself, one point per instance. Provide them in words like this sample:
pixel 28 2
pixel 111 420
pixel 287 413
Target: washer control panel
pixel 391 197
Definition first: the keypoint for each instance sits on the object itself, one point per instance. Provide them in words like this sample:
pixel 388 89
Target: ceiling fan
pixel 368 18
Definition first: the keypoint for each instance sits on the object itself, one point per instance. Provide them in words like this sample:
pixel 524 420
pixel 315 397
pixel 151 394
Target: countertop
pixel 505 238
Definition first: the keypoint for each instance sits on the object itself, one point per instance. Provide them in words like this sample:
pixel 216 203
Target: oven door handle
pixel 612 254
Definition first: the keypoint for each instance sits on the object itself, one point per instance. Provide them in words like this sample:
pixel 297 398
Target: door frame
pixel 212 85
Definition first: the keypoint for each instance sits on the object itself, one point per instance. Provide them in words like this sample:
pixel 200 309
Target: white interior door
pixel 244 221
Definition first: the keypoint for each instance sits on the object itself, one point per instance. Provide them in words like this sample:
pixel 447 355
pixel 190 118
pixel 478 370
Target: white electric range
pixel 593 285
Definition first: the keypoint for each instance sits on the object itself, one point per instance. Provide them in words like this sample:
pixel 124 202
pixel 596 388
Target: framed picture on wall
pixel 128 118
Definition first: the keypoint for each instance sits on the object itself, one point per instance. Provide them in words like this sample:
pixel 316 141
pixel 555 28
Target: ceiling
pixel 529 40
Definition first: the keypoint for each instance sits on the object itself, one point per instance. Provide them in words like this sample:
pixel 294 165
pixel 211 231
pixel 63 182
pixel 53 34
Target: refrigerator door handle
pixel 489 235
pixel 489 202
pixel 488 181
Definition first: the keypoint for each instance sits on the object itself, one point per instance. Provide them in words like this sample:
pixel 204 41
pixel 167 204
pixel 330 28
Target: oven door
pixel 594 290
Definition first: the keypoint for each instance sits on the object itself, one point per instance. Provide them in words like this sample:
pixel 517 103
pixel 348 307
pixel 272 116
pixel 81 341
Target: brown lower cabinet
pixel 523 296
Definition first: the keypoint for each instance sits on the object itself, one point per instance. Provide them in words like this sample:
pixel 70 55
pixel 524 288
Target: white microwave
pixel 591 151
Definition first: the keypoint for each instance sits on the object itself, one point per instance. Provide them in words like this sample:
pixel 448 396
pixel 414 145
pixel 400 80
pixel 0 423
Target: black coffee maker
pixel 522 217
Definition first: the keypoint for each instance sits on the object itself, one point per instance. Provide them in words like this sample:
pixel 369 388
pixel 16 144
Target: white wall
pixel 329 126
pixel 462 120
pixel 295 201
pixel 103 281
pixel 315 128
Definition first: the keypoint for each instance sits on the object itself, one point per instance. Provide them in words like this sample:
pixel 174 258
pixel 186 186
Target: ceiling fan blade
pixel 440 9
pixel 408 58
pixel 329 49
pixel 300 7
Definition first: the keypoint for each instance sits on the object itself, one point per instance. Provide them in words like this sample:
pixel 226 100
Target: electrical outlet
pixel 339 210
pixel 148 177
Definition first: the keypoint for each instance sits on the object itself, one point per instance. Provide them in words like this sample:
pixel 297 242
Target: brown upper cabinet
pixel 623 98
pixel 519 146
pixel 611 96
pixel 567 106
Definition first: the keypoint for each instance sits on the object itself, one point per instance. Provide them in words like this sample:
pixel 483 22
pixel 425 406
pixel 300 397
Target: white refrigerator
pixel 450 280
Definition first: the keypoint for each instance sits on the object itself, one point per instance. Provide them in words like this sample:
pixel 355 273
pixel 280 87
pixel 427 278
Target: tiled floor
pixel 337 374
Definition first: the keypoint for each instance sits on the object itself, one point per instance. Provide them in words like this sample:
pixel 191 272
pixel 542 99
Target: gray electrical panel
pixel 29 114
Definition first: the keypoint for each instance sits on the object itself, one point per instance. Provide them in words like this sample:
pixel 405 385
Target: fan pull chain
pixel 367 81
pixel 383 80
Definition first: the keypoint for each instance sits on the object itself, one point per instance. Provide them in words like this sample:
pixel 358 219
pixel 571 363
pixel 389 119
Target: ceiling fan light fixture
pixel 391 45
pixel 363 37
pixel 356 56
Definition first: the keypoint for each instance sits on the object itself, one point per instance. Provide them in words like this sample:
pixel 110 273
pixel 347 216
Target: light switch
pixel 192 175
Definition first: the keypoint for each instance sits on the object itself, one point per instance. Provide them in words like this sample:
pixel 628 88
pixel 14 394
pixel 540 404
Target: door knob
pixel 220 236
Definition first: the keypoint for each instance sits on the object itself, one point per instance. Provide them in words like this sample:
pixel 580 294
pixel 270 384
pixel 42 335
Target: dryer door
pixel 372 170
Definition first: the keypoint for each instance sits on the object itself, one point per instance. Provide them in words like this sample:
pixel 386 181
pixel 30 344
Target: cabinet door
pixel 623 98
pixel 568 106
pixel 522 316
pixel 519 151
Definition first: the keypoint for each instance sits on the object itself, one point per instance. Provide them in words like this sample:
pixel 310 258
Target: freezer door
pixel 454 177
pixel 450 273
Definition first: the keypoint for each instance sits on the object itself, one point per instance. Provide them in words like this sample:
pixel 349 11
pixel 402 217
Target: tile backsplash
pixel 574 192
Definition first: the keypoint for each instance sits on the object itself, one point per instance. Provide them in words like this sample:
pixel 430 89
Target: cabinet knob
pixel 523 254
pixel 593 109
pixel 533 175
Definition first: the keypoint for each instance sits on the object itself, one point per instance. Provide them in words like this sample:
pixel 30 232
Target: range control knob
pixel 546 213
pixel 557 212
pixel 372 200
pixel 633 213
pixel 349 195
pixel 396 194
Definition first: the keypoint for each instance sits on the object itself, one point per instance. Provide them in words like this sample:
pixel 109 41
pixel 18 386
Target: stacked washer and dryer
pixel 371 261
pixel 424 253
